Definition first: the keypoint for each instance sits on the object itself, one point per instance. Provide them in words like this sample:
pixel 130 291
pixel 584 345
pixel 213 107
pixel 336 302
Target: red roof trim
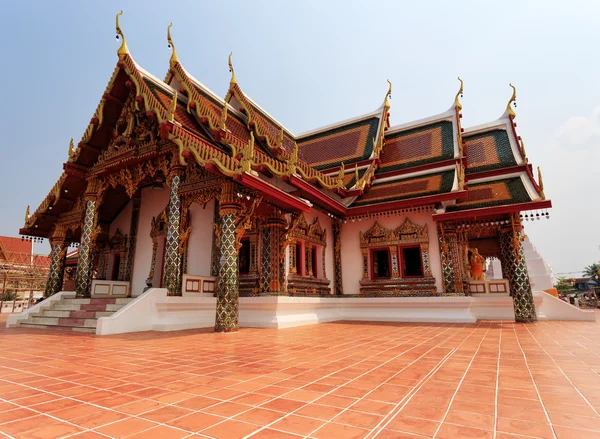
pixel 273 193
pixel 496 210
pixel 410 202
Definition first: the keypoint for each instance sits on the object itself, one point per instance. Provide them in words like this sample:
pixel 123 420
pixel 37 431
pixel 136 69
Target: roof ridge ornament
pixel 280 137
pixel 457 103
pixel 174 58
pixel 123 50
pixel 233 80
pixel 71 150
pixel 27 214
pixel 523 150
pixel 541 183
pixel 223 118
pixel 513 99
pixel 340 176
pixel 173 107
pixel 388 95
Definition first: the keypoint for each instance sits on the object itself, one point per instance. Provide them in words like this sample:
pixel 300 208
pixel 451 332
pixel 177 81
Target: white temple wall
pixel 326 224
pixel 200 241
pixel 152 204
pixel 352 268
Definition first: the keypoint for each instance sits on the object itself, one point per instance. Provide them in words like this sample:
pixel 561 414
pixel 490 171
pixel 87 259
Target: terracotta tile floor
pixel 338 380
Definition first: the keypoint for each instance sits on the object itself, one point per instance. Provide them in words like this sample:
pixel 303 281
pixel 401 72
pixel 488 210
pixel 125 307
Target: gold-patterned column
pixel 337 257
pixel 228 293
pixel 365 258
pixel 132 239
pixel 83 280
pixel 276 224
pixel 514 268
pixel 394 255
pixel 265 259
pixel 292 250
pixel 309 258
pixel 456 260
pixel 58 253
pixel 172 267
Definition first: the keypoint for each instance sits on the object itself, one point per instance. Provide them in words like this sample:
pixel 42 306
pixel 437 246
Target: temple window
pixel 244 256
pixel 412 265
pixel 380 263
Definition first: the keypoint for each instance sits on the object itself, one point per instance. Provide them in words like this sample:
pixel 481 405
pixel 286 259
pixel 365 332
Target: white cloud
pixel 580 132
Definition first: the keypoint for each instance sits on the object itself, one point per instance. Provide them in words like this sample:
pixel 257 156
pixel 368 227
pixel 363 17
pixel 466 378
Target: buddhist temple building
pixel 172 188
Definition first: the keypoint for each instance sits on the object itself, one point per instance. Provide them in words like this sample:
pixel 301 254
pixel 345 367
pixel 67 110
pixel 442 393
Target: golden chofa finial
pixel 280 138
pixel 522 148
pixel 356 178
pixel 541 184
pixel 340 176
pixel 27 215
pixel 223 118
pixel 174 59
pixel 123 50
pixel 512 99
pixel 233 80
pixel 388 95
pixel 457 103
pixel 173 107
pixel 71 149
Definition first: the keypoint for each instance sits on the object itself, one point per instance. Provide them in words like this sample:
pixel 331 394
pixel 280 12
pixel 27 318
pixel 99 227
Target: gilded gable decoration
pixel 312 233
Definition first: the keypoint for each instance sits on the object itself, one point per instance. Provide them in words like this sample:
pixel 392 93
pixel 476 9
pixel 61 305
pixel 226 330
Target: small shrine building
pixel 172 186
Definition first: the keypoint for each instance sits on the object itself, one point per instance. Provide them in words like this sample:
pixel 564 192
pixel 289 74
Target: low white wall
pixel 551 308
pixel 13 319
pixel 155 311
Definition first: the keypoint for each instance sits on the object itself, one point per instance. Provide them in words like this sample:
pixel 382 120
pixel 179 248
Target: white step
pixel 53 313
pixel 65 307
pixel 67 328
pixel 43 320
pixel 81 301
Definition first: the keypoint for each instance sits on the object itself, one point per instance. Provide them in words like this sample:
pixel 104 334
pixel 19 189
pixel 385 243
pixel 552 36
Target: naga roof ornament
pixel 457 103
pixel 123 50
pixel 541 183
pixel 71 150
pixel 233 80
pixel 388 95
pixel 27 214
pixel 174 59
pixel 513 99
pixel 173 107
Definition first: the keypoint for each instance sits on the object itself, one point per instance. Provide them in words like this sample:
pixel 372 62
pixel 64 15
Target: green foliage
pixel 8 296
pixel 593 271
pixel 564 286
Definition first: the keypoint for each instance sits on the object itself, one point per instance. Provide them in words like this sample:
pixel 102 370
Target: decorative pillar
pixel 365 257
pixel 276 224
pixel 265 259
pixel 337 257
pixel 514 268
pixel 172 267
pixel 215 254
pixel 308 251
pixel 83 280
pixel 452 261
pixel 133 225
pixel 228 292
pixel 58 254
pixel 292 250
pixel 394 254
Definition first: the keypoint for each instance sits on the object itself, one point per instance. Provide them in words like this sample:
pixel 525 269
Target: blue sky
pixel 312 63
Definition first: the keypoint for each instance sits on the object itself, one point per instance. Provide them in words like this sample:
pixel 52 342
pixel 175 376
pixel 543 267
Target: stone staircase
pixel 74 314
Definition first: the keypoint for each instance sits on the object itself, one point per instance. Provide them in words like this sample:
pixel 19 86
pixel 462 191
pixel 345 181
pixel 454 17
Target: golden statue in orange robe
pixel 476 263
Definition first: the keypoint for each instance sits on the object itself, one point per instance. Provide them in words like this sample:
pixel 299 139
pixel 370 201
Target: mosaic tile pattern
pixel 265 259
pixel 495 193
pixel 515 270
pixel 227 294
pixel 58 253
pixel 172 268
pixel 83 280
pixel 215 255
pixel 486 151
pixel 447 269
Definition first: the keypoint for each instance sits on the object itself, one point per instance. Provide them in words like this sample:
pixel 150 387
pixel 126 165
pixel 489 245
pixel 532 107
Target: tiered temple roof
pixel 350 168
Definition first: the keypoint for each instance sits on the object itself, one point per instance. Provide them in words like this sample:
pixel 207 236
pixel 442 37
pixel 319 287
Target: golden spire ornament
pixel 513 99
pixel 173 107
pixel 123 50
pixel 233 80
pixel 388 95
pixel 71 150
pixel 340 176
pixel 525 159
pixel 541 183
pixel 280 138
pixel 223 119
pixel 457 103
pixel 27 215
pixel 174 59
pixel 356 173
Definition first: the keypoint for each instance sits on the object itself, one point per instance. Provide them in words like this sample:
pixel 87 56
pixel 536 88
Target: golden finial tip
pixel 388 95
pixel 123 50
pixel 174 58
pixel 233 80
pixel 513 99
pixel 457 103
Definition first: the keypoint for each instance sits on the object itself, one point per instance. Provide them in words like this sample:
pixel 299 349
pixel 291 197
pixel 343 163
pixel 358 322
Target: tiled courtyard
pixel 336 380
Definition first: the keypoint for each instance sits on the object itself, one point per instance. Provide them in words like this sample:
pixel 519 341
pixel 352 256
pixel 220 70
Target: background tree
pixel 8 296
pixel 564 286
pixel 593 271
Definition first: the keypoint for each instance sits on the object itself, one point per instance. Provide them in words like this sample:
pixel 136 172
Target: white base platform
pixel 155 311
